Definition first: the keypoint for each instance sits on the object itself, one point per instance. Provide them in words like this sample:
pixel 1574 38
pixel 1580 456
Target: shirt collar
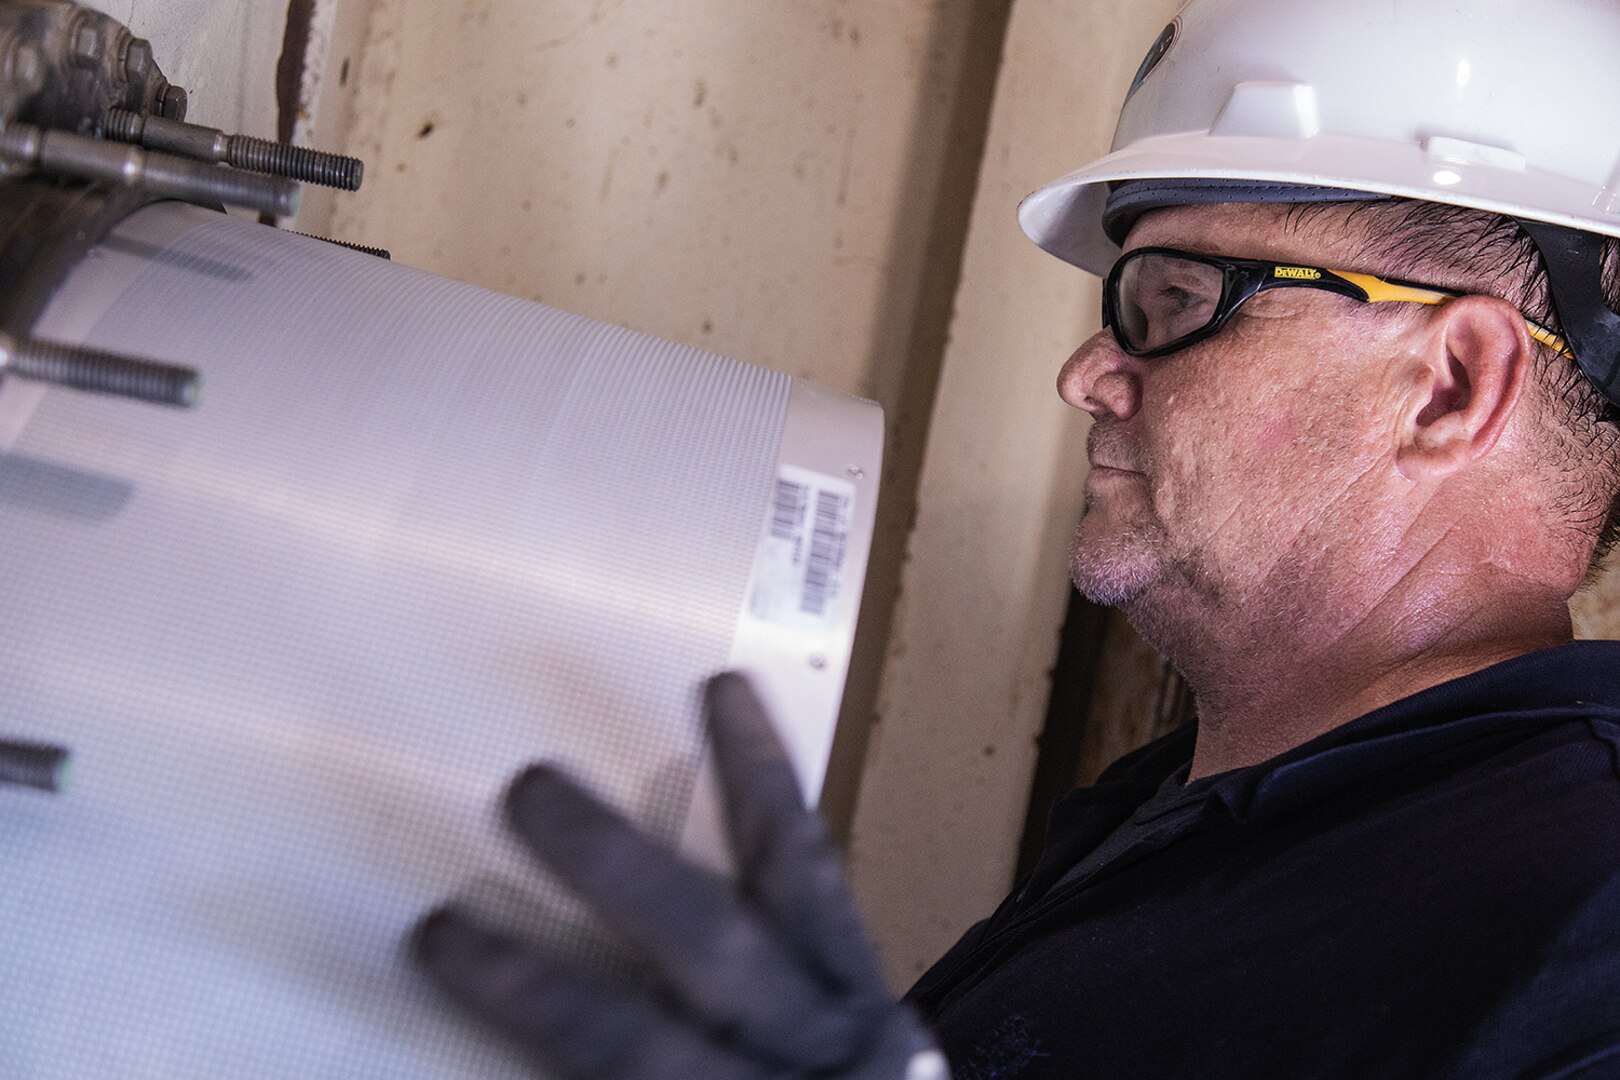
pixel 1571 681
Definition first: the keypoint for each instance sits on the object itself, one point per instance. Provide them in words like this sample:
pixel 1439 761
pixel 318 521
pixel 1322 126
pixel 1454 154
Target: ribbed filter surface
pixel 413 536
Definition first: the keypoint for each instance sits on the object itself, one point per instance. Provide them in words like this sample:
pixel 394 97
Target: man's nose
pixel 1101 379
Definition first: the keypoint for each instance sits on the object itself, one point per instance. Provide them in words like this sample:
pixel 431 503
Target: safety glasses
pixel 1159 300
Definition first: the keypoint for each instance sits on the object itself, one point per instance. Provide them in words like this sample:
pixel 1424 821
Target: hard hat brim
pixel 1066 216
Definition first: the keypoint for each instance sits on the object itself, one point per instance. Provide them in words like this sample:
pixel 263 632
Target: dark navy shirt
pixel 1432 890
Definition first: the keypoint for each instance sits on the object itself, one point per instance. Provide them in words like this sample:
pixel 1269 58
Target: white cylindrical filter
pixel 299 638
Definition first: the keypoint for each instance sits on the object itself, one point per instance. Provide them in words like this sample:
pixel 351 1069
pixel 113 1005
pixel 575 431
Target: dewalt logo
pixel 1297 273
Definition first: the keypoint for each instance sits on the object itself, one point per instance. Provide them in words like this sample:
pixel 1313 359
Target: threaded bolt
pixel 99 372
pixel 239 151
pixel 164 175
pixel 35 765
pixel 124 125
pixel 298 162
pixel 364 249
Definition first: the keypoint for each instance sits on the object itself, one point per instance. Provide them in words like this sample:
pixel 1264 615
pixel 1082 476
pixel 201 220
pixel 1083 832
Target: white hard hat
pixel 1510 106
pixel 1507 106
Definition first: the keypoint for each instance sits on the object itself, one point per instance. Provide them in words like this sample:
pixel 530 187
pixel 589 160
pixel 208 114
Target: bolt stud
pixel 240 151
pixel 99 372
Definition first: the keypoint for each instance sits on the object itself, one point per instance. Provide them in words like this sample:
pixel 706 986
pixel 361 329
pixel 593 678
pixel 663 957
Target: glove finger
pixel 902 1050
pixel 578 1025
pixel 727 965
pixel 787 864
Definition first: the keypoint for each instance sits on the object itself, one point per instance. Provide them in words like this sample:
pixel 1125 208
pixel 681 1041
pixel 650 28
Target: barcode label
pixel 787 516
pixel 800 569
pixel 827 539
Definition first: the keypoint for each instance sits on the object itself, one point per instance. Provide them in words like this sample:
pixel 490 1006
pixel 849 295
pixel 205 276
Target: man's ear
pixel 1471 373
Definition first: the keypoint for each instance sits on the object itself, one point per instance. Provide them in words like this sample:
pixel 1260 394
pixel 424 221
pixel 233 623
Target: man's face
pixel 1224 472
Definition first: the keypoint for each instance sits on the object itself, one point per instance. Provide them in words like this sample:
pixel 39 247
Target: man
pixel 1354 448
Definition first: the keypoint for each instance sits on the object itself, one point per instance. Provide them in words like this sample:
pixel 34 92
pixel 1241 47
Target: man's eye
pixel 1175 298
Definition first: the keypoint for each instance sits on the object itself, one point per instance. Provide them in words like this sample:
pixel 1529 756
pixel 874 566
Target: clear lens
pixel 1160 299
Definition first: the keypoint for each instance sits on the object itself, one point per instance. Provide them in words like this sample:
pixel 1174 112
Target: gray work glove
pixel 769 976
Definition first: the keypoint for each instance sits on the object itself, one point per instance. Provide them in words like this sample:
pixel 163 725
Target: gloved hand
pixel 767 977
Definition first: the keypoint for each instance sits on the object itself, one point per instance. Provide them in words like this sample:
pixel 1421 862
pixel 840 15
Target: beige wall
pixel 752 177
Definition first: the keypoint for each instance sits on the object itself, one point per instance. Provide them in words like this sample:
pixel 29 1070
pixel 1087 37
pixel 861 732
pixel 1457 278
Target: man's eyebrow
pixel 1212 248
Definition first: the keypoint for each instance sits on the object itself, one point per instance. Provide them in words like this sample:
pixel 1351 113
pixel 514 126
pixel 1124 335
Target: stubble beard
pixel 1117 569
pixel 1136 570
pixel 1114 562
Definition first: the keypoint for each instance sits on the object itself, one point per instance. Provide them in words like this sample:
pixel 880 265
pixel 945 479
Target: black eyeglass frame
pixel 1244 279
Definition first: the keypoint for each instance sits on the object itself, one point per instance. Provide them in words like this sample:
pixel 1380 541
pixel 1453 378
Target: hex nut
pixel 86 45
pixel 25 68
pixel 172 104
pixel 138 59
